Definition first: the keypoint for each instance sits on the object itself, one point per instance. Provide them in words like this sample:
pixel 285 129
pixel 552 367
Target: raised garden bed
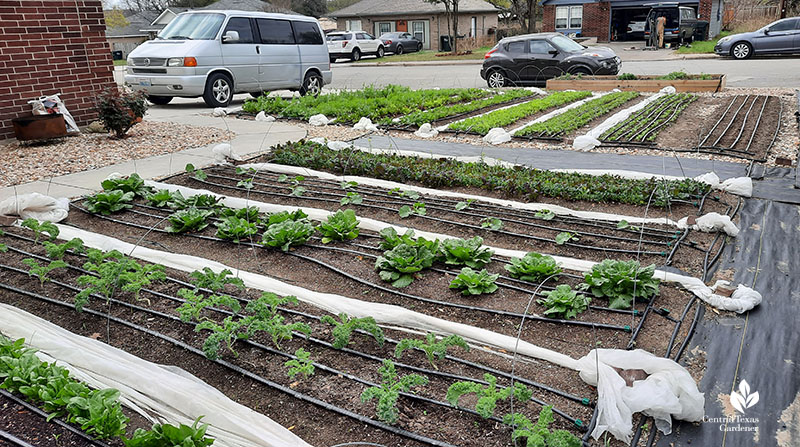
pixel 695 83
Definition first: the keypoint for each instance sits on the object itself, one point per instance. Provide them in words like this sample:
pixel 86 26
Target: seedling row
pixel 645 125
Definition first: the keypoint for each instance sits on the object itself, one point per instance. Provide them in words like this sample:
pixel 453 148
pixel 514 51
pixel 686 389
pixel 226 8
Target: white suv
pixel 353 45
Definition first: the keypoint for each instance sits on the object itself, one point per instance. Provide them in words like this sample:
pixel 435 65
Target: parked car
pixel 399 42
pixel 680 24
pixel 535 58
pixel 782 36
pixel 353 45
pixel 215 54
pixel 636 26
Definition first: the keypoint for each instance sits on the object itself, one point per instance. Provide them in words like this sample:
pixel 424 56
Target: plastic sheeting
pixel 497 135
pixel 223 151
pixel 319 120
pixel 36 206
pixel 426 131
pixel 741 186
pixel 365 124
pixel 175 395
pixel 711 222
pixel 591 139
pixel 262 116
pixel 668 390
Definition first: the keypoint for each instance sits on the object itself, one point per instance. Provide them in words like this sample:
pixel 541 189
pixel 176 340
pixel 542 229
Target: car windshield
pixel 336 37
pixel 389 36
pixel 193 26
pixel 564 43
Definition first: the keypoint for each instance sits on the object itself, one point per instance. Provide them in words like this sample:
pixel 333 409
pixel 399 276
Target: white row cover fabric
pixel 176 396
pixel 319 120
pixel 223 151
pixel 365 124
pixel 670 390
pixel 262 116
pixel 591 140
pixel 741 186
pixel 497 135
pixel 711 222
pixel 692 284
pixel 426 131
pixel 36 206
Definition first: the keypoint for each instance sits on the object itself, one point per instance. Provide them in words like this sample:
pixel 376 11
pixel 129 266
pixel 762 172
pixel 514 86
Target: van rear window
pixel 276 32
pixel 307 33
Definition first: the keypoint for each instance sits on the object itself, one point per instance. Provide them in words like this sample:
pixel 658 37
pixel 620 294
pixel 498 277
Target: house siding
pixel 52 47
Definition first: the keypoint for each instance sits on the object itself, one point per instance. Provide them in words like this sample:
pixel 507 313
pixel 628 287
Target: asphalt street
pixel 757 72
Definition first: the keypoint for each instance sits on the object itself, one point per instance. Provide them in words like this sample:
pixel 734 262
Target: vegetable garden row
pixel 337 378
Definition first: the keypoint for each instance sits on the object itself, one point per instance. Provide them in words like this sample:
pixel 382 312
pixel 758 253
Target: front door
pixel 279 62
pixel 420 30
pixel 242 56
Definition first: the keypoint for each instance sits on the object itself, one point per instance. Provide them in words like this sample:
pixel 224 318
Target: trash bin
pixel 116 55
pixel 444 43
pixel 701 30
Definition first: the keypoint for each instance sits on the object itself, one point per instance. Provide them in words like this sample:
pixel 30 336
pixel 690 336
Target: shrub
pixel 119 110
pixel 621 282
pixel 533 267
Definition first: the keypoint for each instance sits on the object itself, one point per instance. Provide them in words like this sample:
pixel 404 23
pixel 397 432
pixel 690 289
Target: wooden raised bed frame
pixel 604 83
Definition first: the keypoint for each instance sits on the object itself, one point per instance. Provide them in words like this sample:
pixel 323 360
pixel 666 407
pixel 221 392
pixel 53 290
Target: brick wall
pixel 52 46
pixel 596 17
pixel 549 18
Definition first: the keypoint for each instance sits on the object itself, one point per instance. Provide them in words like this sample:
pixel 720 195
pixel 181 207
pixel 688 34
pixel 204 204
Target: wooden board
pixel 605 83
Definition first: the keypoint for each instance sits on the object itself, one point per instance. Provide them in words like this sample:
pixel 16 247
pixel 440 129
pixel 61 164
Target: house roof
pixel 366 8
pixel 246 5
pixel 136 22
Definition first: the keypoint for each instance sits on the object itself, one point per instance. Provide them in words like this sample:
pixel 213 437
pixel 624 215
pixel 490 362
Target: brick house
pixel 477 19
pixel 52 46
pixel 608 20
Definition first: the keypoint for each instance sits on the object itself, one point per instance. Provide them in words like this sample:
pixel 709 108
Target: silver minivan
pixel 215 54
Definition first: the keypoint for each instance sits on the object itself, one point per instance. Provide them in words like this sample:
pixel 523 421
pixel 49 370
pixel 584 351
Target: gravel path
pixel 27 163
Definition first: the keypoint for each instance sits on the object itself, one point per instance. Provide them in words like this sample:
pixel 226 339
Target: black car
pixel 399 43
pixel 535 58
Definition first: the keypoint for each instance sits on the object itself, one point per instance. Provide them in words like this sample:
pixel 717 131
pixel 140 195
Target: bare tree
pixel 451 13
pixel 147 5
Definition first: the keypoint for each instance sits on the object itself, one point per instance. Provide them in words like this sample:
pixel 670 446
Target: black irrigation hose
pixel 678 325
pixel 13 439
pixel 496 372
pixel 699 314
pixel 662 108
pixel 746 117
pixel 443 221
pixel 667 121
pixel 668 261
pixel 58 421
pixel 718 122
pixel 295 394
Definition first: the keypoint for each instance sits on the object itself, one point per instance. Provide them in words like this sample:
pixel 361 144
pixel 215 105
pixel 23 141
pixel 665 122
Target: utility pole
pixel 782 9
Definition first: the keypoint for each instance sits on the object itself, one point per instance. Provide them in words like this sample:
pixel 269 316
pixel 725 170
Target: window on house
pixel 569 17
pixel 473 27
pixel 384 27
pixel 354 25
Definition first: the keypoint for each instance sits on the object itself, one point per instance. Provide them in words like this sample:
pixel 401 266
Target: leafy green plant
pixel 188 219
pixel 389 391
pixel 289 233
pixel 564 302
pixel 565 236
pixel 197 172
pixel 533 267
pixel 469 252
pixel 195 303
pixel 472 282
pixel 544 215
pixel 294 184
pixel 39 228
pixel 492 223
pixel 539 434
pixel 420 117
pixel 434 349
pixel 417 208
pixel 162 197
pixel 41 271
pixel 622 282
pixel 57 251
pixel 624 225
pixel 226 333
pixel 166 435
pixel 351 198
pixel 246 183
pixel 488 395
pixel 216 282
pixel 343 329
pixel 464 205
pixel 302 364
pixel 283 216
pixel 340 226
pixel 265 318
pixel 201 201
pixel 235 229
pixel 401 264
pixel 347 185
pixel 120 110
pixel 115 272
pixel 249 214
pixel 577 117
pixel 132 183
pixel 108 202
pixel 99 414
pixel 627 77
pixel 390 240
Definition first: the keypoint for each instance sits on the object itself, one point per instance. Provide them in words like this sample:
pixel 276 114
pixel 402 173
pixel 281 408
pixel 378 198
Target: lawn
pixel 121 62
pixel 430 55
pixel 706 46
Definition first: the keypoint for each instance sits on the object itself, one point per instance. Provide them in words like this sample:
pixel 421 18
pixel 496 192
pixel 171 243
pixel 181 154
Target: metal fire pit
pixel 39 127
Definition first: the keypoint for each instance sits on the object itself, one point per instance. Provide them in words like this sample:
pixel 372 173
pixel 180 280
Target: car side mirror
pixel 765 31
pixel 553 52
pixel 230 36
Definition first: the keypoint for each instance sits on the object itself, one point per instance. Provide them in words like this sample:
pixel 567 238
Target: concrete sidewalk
pixel 251 138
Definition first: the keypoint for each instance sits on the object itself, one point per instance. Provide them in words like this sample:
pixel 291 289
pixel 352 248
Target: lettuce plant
pixel 163 435
pixel 564 302
pixel 417 208
pixel 400 264
pixel 340 226
pixel 188 219
pixel 108 202
pixel 249 214
pixel 390 240
pixel 472 282
pixel 132 183
pixel 162 198
pixel 469 252
pixel 389 391
pixel 621 282
pixel 284 216
pixel 288 233
pixel 533 267
pixel 235 229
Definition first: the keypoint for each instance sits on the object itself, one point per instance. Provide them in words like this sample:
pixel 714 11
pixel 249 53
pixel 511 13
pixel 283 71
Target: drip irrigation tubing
pixel 746 117
pixel 668 261
pixel 58 421
pixel 584 401
pixel 733 101
pixel 255 377
pixel 661 108
pixel 675 113
pixel 4 435
pixel 733 119
pixel 443 221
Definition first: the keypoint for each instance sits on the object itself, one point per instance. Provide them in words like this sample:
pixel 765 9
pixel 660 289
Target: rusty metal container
pixel 39 127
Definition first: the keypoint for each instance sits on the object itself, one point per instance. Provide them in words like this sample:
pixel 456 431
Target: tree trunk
pixel 449 28
pixel 455 26
pixel 531 16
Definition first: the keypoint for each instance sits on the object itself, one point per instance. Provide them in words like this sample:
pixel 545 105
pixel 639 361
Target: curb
pixel 480 62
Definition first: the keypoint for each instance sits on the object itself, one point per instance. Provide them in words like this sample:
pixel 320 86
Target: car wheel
pixel 380 52
pixel 496 79
pixel 219 90
pixel 419 47
pixel 690 39
pixel 160 100
pixel 356 55
pixel 312 85
pixel 399 50
pixel 741 50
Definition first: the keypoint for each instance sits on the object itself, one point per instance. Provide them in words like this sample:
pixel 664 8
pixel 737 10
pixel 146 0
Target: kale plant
pixel 469 252
pixel 115 272
pixel 434 349
pixel 389 391
pixel 472 282
pixel 216 282
pixel 533 267
pixel 301 364
pixel 57 251
pixel 41 271
pixel 341 226
pixel 39 228
pixel 622 282
pixel 288 233
pixel 343 329
pixel 195 303
pixel 108 202
pixel 564 302
pixel 400 264
pixel 488 395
